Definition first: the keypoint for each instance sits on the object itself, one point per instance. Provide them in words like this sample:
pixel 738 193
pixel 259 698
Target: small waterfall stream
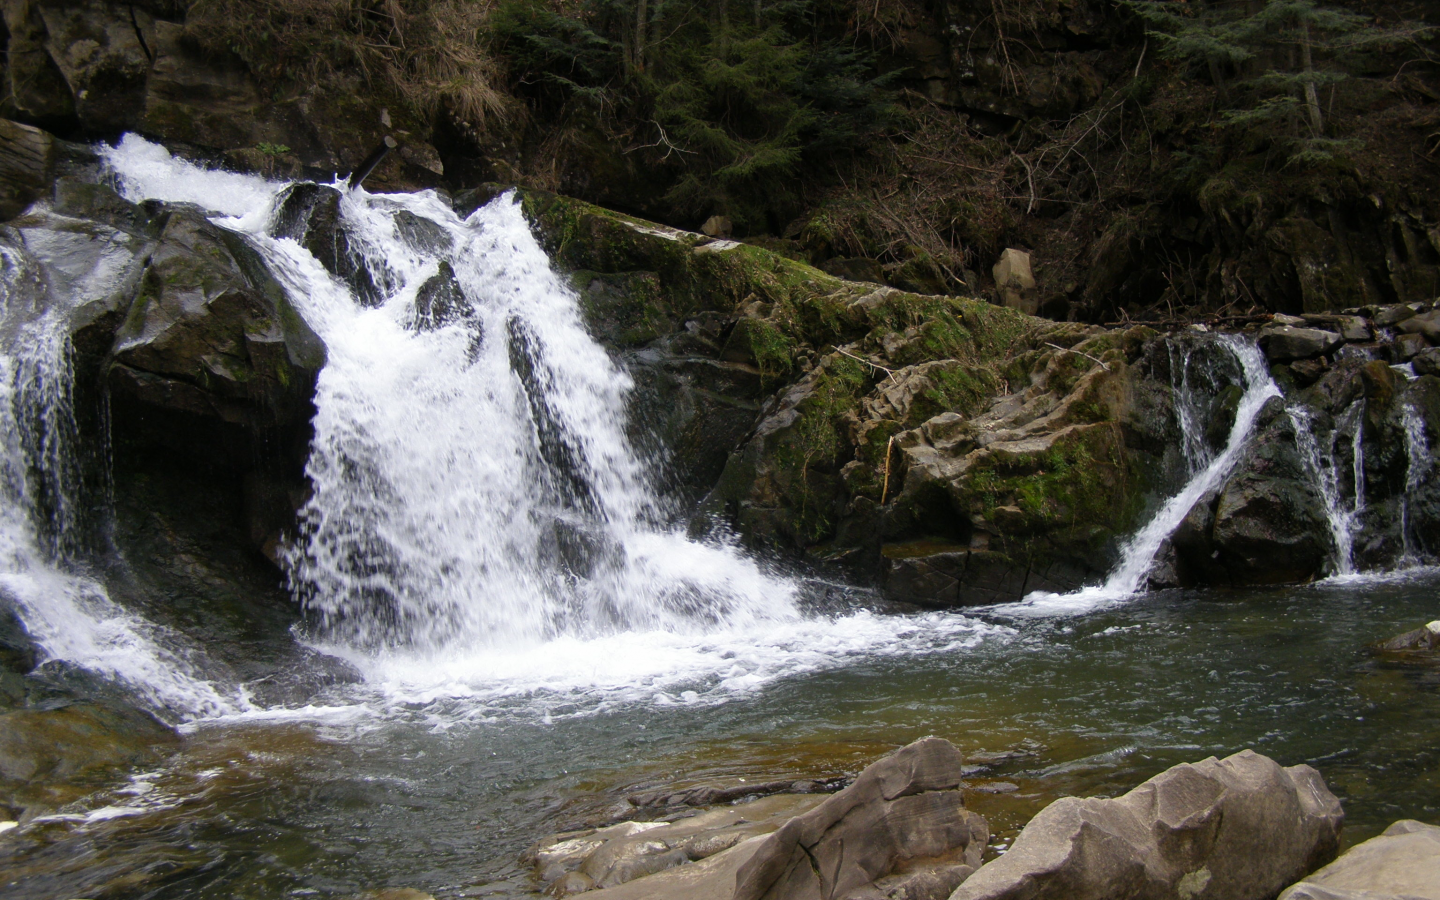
pixel 1137 555
pixel 65 610
pixel 1342 517
pixel 1418 464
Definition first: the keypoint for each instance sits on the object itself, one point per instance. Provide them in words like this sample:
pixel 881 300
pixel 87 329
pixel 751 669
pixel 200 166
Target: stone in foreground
pixel 901 830
pixel 1241 828
pixel 1403 863
pixel 1421 640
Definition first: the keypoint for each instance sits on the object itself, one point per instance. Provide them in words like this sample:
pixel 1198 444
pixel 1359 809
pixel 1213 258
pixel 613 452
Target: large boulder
pixel 210 334
pixel 1240 828
pixel 1283 343
pixel 904 816
pixel 1266 523
pixel 1403 863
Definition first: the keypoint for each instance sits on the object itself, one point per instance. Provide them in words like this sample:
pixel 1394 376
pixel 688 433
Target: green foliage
pixel 272 149
pixel 1276 58
pixel 732 108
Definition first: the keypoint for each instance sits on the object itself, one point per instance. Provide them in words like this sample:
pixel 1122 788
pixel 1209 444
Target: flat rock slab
pixel 709 879
pixel 581 861
pixel 1240 828
pixel 1403 863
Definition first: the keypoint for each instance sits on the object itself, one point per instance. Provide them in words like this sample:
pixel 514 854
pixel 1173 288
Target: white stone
pixel 1015 281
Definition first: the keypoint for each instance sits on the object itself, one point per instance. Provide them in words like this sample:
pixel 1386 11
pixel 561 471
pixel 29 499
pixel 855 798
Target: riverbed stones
pixel 1241 828
pixel 903 815
pixel 1284 343
pixel 1403 863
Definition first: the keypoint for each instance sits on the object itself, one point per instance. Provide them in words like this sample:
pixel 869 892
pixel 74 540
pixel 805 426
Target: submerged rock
pixel 46 746
pixel 1240 828
pixel 1403 863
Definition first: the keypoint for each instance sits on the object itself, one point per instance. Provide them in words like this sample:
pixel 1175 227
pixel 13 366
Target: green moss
pixel 1080 492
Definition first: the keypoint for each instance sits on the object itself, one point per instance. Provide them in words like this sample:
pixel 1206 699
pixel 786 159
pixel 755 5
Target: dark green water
pixel 1095 703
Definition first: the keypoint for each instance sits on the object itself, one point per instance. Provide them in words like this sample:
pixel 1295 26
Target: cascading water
pixel 481 528
pixel 1418 463
pixel 67 613
pixel 473 482
pixel 1342 518
pixel 1138 553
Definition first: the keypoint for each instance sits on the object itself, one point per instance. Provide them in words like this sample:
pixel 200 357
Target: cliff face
pixel 906 142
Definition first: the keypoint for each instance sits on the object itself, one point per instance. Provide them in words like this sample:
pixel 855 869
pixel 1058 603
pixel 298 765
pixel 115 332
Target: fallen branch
pixel 1078 353
pixel 873 365
pixel 885 489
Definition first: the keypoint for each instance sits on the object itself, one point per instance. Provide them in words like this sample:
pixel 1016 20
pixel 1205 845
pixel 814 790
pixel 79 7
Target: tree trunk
pixel 642 18
pixel 1312 97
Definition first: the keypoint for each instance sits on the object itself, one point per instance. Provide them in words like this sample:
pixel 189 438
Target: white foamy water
pixel 1138 553
pixel 1342 517
pixel 68 614
pixel 482 537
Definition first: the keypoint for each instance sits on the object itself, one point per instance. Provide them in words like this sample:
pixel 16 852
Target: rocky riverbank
pixel 1241 828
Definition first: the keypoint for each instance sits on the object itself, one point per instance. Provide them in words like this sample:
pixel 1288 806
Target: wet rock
pixel 1307 371
pixel 1266 524
pixel 605 857
pixel 1423 639
pixel 1403 863
pixel 310 214
pixel 27 164
pixel 971 577
pixel 1407 346
pixel 421 233
pixel 1283 343
pixel 1195 830
pixel 1393 315
pixel 903 814
pixel 211 334
pixel 76 741
pixel 440 301
pixel 1427 361
pixel 1426 324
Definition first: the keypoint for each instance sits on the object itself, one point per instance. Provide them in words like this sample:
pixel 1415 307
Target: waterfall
pixel 1137 555
pixel 1418 461
pixel 474 485
pixel 67 613
pixel 1341 517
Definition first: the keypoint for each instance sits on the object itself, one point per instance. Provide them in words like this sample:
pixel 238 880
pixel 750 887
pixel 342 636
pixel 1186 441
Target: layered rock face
pixel 97 68
pixel 962 453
